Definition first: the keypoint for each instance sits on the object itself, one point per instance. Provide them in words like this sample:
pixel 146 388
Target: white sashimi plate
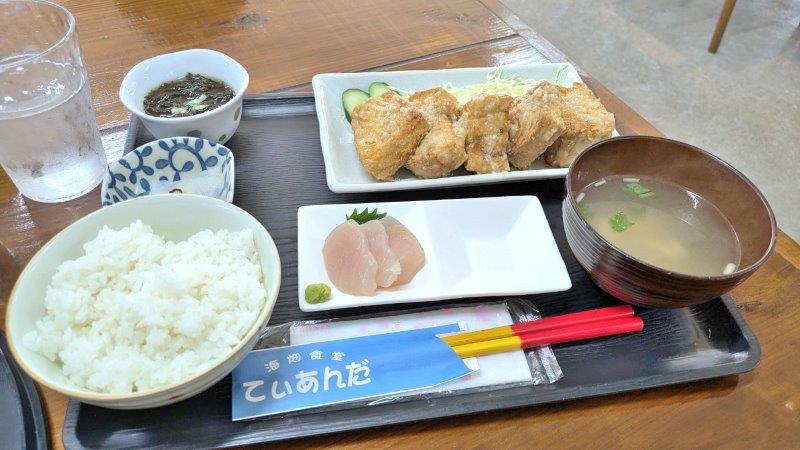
pixel 344 171
pixel 474 247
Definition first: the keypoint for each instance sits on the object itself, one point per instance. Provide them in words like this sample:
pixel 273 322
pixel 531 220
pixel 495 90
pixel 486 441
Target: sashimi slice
pixel 406 247
pixel 388 264
pixel 348 260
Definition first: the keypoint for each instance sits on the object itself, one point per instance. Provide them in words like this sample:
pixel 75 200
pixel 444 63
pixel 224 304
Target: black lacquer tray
pixel 279 168
pixel 22 423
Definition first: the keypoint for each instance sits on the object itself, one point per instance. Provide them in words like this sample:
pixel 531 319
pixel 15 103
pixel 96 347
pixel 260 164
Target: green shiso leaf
pixel 365 216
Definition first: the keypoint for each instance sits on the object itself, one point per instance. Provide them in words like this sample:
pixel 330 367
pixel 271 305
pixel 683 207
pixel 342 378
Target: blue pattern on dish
pixel 169 160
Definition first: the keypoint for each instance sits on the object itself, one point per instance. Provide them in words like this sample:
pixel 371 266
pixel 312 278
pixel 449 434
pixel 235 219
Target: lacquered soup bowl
pixel 634 281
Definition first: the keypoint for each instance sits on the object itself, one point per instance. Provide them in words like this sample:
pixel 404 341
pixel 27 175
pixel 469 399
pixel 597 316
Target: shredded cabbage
pixel 513 85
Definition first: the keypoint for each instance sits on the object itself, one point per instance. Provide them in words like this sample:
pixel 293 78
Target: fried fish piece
pixel 387 129
pixel 440 152
pixel 486 122
pixel 535 123
pixel 442 149
pixel 587 122
pixel 435 103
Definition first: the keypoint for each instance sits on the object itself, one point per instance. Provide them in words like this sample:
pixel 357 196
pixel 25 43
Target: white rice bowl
pixel 136 312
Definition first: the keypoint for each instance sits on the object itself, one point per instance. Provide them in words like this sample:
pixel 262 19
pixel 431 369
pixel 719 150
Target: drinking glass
pixel 49 142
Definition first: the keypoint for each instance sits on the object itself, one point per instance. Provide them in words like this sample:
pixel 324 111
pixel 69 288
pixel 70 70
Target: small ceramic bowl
pixel 176 165
pixel 637 282
pixel 176 217
pixel 216 125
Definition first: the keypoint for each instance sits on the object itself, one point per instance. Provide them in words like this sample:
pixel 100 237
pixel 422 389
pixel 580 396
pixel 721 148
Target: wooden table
pixel 284 43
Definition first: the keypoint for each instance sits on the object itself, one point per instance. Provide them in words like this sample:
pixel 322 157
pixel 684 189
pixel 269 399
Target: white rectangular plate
pixel 343 170
pixel 474 247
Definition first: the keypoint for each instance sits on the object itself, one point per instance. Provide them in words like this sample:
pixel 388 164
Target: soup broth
pixel 662 224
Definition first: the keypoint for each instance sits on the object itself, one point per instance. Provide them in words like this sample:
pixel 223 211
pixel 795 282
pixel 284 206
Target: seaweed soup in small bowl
pixel 661 223
pixel 195 93
pixel 189 95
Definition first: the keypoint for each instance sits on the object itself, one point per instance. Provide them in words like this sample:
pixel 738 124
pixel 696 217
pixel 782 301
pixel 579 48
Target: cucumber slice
pixel 378 88
pixel 352 98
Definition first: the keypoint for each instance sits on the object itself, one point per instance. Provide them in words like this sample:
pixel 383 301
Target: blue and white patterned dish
pixel 186 164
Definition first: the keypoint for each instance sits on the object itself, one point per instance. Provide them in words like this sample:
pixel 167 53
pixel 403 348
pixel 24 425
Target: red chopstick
pixel 547 323
pixel 583 331
pixel 592 315
pixel 559 335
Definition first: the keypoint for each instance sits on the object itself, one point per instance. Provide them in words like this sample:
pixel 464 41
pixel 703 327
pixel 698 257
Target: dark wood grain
pixel 283 44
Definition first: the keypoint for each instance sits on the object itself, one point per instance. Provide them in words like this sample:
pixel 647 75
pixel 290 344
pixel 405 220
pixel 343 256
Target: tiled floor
pixel 742 104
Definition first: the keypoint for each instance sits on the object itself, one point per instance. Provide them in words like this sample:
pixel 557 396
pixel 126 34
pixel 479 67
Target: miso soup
pixel 662 224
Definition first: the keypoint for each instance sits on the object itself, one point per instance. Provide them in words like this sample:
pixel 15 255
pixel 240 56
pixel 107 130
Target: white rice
pixel 136 312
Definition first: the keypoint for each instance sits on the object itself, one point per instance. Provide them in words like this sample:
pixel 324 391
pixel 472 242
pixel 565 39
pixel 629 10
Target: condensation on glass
pixel 49 142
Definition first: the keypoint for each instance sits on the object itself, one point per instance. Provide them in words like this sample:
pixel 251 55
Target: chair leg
pixel 722 23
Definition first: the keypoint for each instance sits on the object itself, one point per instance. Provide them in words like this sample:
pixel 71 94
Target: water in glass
pixel 49 142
